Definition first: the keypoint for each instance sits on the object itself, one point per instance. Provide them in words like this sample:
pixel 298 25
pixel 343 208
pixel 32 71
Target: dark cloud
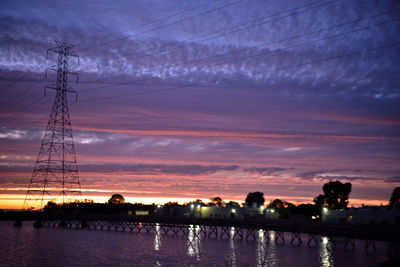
pixel 139 169
pixel 16 168
pixel 343 175
pixel 395 179
pixel 265 170
pixel 157 169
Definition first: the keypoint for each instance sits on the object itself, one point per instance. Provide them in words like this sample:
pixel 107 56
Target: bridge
pixel 296 233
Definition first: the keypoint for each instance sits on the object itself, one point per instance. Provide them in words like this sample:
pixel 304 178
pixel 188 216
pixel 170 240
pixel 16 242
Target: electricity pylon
pixel 55 176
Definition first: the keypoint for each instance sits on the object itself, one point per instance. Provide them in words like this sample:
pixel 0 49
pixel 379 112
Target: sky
pixel 179 100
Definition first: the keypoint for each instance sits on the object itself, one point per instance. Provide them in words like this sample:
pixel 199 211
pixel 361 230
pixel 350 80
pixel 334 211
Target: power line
pixel 243 75
pixel 221 30
pixel 264 44
pixel 165 25
pixel 12 83
pixel 324 38
pixel 19 99
pixel 18 114
pixel 150 23
pixel 184 42
pixel 162 26
pixel 154 21
pixel 267 52
pixel 250 48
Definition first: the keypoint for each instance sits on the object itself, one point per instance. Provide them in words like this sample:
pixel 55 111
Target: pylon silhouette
pixel 55 176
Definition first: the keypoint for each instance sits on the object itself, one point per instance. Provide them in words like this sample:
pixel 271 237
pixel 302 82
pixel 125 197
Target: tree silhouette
pixel 195 202
pixel 395 198
pixel 51 207
pixel 319 200
pixel 277 204
pixel 337 194
pixel 172 204
pixel 255 197
pixel 217 201
pixel 116 199
pixel 233 204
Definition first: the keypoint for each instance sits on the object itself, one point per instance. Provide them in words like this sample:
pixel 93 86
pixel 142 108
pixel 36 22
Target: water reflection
pixel 261 248
pixel 266 249
pixel 193 245
pixel 41 247
pixel 325 252
pixel 157 238
pixel 232 260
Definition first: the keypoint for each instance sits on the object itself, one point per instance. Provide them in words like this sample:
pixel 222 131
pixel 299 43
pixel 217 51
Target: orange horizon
pixel 16 201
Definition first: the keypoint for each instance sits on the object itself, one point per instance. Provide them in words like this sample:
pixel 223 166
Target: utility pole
pixel 55 176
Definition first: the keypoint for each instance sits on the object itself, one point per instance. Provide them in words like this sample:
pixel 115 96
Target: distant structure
pixel 55 176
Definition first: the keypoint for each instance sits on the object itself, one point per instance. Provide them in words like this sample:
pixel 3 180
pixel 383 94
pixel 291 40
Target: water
pixel 27 246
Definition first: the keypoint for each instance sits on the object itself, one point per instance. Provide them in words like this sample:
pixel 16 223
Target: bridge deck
pixel 376 232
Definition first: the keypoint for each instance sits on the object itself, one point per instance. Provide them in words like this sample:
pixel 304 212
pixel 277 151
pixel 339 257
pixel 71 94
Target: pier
pixel 285 231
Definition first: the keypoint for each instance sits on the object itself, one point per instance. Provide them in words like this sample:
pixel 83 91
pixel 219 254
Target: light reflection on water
pixel 266 249
pixel 325 252
pixel 232 261
pixel 193 242
pixel 157 238
pixel 64 247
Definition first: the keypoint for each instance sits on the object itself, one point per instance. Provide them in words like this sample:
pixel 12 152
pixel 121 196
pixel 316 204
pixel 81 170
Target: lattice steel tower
pixel 55 176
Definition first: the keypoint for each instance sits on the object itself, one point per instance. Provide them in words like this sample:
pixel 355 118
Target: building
pixel 199 211
pixel 364 215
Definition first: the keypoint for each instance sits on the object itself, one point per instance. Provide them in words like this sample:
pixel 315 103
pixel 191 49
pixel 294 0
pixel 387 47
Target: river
pixel 28 246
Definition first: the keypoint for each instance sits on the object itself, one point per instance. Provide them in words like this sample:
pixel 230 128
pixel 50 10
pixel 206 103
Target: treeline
pixel 115 205
pixel 335 196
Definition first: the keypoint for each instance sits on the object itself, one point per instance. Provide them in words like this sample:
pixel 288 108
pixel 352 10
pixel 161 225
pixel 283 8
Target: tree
pixel 319 200
pixel 217 201
pixel 395 198
pixel 336 194
pixel 279 204
pixel 283 208
pixel 51 207
pixel 172 204
pixel 195 202
pixel 306 209
pixel 255 197
pixel 116 199
pixel 233 204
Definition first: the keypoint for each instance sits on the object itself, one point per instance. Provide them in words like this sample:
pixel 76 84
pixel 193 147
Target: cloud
pixel 351 175
pixel 394 179
pixel 202 61
pixel 252 100
pixel 157 169
pixel 265 170
pixel 87 138
pixel 13 134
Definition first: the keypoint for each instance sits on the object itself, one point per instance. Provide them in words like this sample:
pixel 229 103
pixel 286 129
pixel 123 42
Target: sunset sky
pixel 179 100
